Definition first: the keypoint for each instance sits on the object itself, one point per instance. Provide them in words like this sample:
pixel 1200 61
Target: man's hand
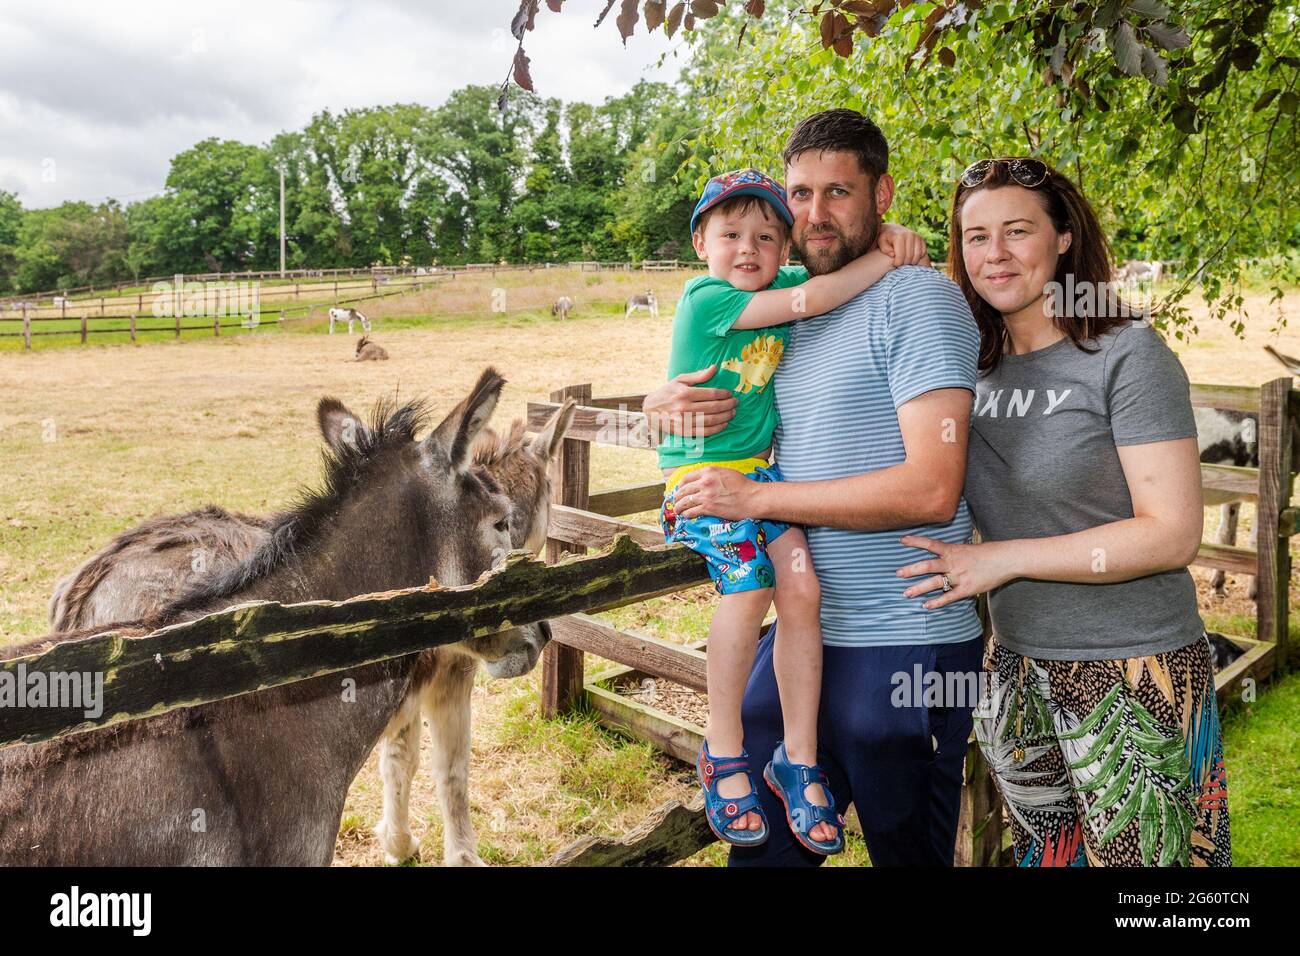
pixel 679 407
pixel 717 492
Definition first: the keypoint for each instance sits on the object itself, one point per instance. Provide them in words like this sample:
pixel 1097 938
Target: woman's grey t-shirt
pixel 1043 462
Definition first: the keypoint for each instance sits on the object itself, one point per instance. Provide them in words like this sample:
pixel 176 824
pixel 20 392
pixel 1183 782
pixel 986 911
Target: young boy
pixel 735 318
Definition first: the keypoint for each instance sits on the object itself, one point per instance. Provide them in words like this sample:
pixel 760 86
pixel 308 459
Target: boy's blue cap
pixel 742 182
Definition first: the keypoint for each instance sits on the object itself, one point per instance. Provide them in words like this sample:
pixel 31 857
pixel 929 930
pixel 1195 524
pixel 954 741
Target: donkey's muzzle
pixel 524 652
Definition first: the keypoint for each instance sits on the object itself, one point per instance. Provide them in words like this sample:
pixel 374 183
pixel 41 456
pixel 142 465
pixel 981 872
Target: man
pixel 874 399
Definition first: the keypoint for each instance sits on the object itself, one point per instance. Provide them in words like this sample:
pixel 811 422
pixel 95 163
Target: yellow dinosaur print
pixel 757 363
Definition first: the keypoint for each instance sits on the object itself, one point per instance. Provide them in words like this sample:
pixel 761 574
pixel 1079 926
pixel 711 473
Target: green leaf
pixel 1148 824
pixel 1288 102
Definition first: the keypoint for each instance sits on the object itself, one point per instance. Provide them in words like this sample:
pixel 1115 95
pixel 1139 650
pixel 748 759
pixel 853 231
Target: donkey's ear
pixel 341 428
pixel 546 443
pixel 453 437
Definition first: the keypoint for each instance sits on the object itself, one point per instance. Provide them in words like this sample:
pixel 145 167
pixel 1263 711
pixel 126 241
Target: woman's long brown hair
pixel 1088 260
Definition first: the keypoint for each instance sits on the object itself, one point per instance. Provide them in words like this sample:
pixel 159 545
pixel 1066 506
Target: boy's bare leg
pixel 797 657
pixel 733 641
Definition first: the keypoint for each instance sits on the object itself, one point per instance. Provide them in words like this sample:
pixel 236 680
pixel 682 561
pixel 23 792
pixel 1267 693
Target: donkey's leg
pixel 1227 534
pixel 447 708
pixel 399 756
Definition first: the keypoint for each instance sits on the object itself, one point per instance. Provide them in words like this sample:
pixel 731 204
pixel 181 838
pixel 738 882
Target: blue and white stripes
pixel 838 387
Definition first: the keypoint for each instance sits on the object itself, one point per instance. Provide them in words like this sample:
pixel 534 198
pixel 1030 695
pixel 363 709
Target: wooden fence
pixel 254 646
pixel 212 315
pixel 84 294
pixel 585 519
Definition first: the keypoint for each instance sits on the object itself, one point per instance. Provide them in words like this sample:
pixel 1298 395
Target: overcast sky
pixel 96 98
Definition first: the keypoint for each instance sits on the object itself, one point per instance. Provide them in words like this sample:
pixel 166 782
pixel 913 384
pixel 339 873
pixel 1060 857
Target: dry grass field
pixel 94 439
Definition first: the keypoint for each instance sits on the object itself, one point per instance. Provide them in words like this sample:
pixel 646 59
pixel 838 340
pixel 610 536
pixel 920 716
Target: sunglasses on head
pixel 1027 172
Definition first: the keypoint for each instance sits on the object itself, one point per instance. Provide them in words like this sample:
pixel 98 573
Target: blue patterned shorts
pixel 736 551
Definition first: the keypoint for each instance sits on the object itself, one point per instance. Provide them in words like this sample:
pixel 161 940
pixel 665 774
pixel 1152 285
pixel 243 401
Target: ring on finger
pixel 947 585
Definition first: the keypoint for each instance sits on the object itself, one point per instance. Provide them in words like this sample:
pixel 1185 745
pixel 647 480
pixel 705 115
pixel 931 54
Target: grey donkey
pixel 262 778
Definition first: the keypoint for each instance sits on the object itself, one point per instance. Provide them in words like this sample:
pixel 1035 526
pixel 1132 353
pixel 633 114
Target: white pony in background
pixel 349 316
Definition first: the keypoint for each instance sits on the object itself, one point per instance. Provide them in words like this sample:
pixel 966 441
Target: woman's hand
pixel 971 569
pixel 903 246
pixel 718 492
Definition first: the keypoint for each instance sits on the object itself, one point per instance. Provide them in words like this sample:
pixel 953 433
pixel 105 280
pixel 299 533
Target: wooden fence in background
pixel 212 316
pixel 584 518
pixel 89 293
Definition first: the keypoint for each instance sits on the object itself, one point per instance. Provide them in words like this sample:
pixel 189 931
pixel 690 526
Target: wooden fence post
pixel 83 328
pixel 979 825
pixel 27 329
pixel 562 676
pixel 132 328
pixel 1275 436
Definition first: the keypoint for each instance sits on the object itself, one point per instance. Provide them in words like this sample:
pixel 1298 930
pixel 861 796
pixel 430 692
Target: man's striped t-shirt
pixel 838 387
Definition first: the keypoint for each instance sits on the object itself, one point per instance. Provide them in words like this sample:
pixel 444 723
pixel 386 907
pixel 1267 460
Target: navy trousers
pixel 900 766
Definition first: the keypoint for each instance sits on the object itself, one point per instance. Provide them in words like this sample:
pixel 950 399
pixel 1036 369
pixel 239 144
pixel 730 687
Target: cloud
pixel 95 103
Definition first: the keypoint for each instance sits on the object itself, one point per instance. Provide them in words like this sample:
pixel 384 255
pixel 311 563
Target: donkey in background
pixel 142 568
pixel 647 302
pixel 1227 437
pixel 267 773
pixel 349 316
pixel 368 351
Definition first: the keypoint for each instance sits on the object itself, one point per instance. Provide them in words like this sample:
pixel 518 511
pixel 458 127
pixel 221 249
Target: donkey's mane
pixel 491 449
pixel 391 426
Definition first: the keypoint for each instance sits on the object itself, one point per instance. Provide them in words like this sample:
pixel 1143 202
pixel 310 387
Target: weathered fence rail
pixel 254 646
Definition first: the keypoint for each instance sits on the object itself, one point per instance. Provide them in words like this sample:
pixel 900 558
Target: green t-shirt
pixel 746 358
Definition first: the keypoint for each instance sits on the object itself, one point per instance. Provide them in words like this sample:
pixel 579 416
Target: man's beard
pixel 820 262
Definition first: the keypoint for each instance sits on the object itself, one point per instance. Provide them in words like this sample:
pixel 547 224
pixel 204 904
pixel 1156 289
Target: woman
pixel 1099 721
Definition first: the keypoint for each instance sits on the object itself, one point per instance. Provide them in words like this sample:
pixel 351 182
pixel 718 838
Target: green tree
pixel 72 244
pixel 11 221
pixel 653 206
pixel 1178 119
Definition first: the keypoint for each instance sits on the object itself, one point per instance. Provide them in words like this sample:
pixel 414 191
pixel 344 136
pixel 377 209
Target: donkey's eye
pixel 503 526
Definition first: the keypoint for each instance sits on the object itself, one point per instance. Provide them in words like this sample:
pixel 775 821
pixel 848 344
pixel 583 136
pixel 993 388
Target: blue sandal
pixel 721 811
pixel 789 781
